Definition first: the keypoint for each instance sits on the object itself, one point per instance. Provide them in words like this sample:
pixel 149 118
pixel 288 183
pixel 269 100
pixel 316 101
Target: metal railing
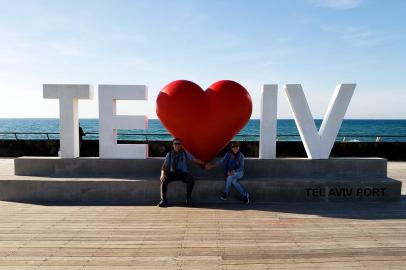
pixel 15 134
pixel 155 136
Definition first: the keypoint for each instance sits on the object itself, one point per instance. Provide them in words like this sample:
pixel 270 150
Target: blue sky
pixel 317 43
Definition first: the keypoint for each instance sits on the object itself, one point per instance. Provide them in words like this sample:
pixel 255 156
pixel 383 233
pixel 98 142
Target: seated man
pixel 175 169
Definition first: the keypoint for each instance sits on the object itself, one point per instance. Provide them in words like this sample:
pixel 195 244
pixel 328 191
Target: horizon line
pixel 96 118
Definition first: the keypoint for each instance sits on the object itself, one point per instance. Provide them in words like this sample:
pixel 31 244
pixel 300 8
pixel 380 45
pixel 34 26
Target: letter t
pixel 68 95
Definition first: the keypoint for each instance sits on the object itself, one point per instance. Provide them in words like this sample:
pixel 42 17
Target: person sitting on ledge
pixel 81 135
pixel 175 169
pixel 233 162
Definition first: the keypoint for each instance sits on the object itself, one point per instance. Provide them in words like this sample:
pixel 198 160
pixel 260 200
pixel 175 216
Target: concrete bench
pixel 122 180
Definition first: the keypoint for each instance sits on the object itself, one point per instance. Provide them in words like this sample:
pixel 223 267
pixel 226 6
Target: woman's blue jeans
pixel 233 180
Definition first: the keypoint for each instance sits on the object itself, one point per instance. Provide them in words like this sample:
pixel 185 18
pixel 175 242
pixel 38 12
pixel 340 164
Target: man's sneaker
pixel 246 199
pixel 163 203
pixel 223 196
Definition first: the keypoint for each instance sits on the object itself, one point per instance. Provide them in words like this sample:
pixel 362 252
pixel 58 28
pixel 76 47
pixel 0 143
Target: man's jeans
pixel 233 180
pixel 184 177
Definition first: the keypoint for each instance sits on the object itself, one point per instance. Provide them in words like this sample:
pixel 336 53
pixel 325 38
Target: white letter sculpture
pixel 318 145
pixel 109 121
pixel 267 139
pixel 68 95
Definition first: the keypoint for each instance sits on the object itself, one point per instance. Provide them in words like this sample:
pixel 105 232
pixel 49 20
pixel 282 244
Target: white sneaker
pixel 247 199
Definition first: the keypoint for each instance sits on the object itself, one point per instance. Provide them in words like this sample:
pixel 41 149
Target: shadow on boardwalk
pixel 346 210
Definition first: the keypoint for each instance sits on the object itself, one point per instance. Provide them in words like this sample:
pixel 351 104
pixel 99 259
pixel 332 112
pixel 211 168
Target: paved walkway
pixel 271 236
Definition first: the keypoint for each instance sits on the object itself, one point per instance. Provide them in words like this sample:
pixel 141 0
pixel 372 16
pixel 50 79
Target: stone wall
pixel 388 150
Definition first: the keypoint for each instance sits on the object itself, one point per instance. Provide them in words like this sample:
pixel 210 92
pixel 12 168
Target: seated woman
pixel 233 162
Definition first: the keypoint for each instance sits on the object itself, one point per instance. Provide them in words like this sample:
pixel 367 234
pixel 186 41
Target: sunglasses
pixel 235 146
pixel 177 143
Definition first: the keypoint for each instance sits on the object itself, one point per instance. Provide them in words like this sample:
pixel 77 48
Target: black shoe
pixel 188 202
pixel 223 196
pixel 162 203
pixel 246 199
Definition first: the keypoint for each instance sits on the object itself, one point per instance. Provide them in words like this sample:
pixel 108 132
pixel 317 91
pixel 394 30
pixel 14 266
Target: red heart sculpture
pixel 205 121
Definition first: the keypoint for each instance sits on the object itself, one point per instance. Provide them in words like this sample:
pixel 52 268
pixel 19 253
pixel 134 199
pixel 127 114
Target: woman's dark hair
pixel 234 143
pixel 176 139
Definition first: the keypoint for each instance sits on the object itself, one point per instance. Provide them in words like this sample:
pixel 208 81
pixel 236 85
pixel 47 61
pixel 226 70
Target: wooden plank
pixel 272 236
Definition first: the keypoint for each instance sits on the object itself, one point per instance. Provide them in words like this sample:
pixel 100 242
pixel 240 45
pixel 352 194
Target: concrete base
pixel 254 167
pixel 147 190
pixel 93 180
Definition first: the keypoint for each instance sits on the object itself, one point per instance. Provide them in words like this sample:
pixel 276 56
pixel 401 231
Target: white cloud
pixel 67 49
pixel 301 18
pixel 336 4
pixel 357 36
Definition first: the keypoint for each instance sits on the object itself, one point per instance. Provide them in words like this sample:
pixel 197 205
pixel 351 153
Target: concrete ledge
pixel 91 180
pixel 285 167
pixel 147 190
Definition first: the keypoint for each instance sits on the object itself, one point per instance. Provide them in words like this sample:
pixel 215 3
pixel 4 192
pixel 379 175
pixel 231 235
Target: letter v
pixel 318 144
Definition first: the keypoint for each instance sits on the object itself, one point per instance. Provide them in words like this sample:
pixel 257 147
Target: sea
pixel 352 130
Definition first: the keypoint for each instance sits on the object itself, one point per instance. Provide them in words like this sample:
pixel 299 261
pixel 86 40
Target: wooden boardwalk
pixel 271 236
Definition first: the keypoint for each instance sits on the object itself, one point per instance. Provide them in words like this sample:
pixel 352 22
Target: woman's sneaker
pixel 223 196
pixel 246 199
pixel 162 203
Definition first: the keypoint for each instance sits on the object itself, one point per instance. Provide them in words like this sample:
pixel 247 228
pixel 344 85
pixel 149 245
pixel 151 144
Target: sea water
pixel 351 130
